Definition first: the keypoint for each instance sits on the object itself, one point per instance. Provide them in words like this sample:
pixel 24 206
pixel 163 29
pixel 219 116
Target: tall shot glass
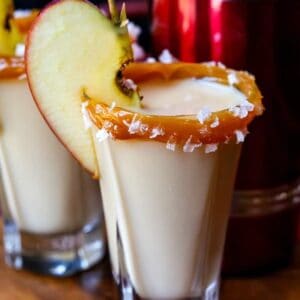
pixel 51 209
pixel 167 183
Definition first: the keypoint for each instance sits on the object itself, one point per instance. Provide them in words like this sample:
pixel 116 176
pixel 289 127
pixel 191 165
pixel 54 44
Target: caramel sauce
pixel 14 67
pixel 177 129
pixel 24 23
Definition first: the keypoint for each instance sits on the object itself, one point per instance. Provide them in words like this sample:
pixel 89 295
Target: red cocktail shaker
pixel 263 37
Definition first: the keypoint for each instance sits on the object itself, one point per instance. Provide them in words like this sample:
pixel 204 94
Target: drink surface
pixel 188 96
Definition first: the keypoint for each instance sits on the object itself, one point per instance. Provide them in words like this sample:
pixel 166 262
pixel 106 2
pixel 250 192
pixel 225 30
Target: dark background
pixel 138 11
pixel 40 3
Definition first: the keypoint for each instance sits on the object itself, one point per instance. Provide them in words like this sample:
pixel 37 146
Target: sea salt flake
pixel 151 60
pixel 138 51
pixel 102 135
pixel 240 136
pixel 190 147
pixel 235 110
pixel 134 30
pixel 248 105
pixel 221 65
pixel 215 123
pixel 243 112
pixel 211 63
pixel 166 57
pixel 232 79
pixel 203 114
pixel 86 118
pixel 171 144
pixel 156 131
pixel 134 127
pixel 209 148
pixel 242 109
pixel 21 13
pixel 20 50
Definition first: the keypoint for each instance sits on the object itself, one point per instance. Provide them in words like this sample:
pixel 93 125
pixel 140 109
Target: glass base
pixel 127 292
pixel 58 255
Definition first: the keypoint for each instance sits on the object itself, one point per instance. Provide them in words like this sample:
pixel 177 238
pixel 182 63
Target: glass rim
pixel 123 123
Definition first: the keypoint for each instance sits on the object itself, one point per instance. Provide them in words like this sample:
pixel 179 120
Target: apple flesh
pixel 74 53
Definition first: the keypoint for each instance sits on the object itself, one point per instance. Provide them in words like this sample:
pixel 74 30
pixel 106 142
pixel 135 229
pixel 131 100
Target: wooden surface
pixel 97 284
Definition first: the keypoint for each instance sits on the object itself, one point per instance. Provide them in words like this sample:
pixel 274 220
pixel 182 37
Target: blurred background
pixel 138 10
pixel 41 3
pixel 263 37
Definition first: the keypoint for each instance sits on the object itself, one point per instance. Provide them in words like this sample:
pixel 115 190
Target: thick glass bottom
pixel 58 254
pixel 127 292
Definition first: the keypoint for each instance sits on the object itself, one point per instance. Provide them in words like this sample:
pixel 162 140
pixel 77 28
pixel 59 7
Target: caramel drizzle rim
pixel 124 124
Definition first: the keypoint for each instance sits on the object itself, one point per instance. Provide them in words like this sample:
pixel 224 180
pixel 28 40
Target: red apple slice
pixel 74 51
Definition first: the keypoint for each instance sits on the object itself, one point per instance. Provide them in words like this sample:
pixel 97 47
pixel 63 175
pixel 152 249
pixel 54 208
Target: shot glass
pixel 166 217
pixel 167 177
pixel 51 209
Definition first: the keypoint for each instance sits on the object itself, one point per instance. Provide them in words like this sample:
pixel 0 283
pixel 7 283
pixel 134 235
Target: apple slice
pixel 74 53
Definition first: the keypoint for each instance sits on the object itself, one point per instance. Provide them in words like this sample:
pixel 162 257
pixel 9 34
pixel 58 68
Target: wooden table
pixel 97 284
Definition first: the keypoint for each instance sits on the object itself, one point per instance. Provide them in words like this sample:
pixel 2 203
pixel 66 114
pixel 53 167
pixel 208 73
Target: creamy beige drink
pixel 51 207
pixel 45 187
pixel 170 203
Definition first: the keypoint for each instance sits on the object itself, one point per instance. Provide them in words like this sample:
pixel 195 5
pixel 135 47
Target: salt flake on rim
pixel 151 60
pixel 221 65
pixel 156 131
pixel 190 147
pixel 240 136
pixel 215 123
pixel 134 126
pixel 20 50
pixel 166 57
pixel 203 114
pixel 232 79
pixel 134 30
pixel 242 110
pixel 86 118
pixel 209 148
pixel 171 144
